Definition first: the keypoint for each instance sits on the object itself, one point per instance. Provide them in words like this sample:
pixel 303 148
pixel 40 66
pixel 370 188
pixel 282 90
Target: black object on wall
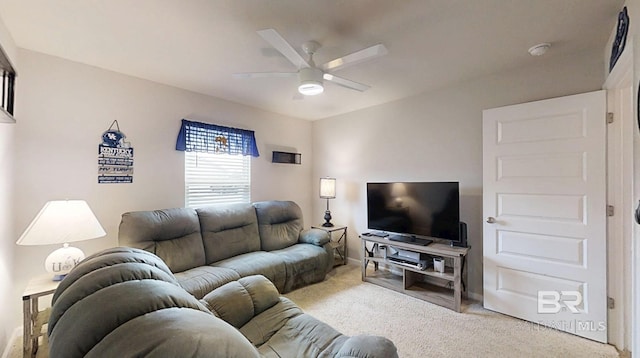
pixel 621 38
pixel 638 114
pixel 286 157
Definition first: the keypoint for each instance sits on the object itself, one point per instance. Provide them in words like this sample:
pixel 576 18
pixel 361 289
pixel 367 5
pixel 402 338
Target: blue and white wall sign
pixel 115 157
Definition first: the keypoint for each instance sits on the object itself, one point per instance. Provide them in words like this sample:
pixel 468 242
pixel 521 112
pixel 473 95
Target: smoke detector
pixel 539 49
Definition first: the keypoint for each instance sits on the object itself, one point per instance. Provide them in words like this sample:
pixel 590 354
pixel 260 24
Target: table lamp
pixel 61 222
pixel 327 191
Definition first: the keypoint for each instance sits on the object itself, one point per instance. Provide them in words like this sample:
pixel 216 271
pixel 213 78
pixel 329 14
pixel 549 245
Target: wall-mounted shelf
pixel 286 157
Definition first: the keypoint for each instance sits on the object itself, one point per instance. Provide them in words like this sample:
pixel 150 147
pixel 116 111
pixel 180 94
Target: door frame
pixel 619 85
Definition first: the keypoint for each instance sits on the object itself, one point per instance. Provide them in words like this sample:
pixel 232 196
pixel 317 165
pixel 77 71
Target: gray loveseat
pixel 125 302
pixel 208 247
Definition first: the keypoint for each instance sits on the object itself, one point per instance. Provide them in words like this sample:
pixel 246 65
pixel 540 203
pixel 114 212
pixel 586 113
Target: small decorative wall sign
pixel 621 38
pixel 115 157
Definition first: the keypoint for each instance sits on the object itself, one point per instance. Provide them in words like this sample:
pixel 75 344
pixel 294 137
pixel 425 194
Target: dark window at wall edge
pixel 8 79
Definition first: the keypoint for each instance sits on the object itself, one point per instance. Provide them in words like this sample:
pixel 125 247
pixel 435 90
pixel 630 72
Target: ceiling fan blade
pixel 346 83
pixel 279 43
pixel 356 57
pixel 264 74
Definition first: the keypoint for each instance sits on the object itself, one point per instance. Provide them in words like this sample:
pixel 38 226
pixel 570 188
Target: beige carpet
pixel 422 329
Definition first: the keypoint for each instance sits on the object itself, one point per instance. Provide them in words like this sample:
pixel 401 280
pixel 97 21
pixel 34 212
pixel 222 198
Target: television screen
pixel 429 209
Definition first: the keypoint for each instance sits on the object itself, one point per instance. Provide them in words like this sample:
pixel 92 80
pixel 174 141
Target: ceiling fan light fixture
pixel 310 88
pixel 310 81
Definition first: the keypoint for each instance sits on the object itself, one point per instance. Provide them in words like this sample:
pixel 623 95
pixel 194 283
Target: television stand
pixel 444 289
pixel 410 240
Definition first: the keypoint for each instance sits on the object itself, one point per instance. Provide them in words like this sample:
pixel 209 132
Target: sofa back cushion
pixel 172 234
pixel 279 224
pixel 228 230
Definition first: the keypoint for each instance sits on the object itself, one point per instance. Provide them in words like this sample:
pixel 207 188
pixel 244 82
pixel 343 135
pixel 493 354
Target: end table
pixel 338 244
pixel 34 318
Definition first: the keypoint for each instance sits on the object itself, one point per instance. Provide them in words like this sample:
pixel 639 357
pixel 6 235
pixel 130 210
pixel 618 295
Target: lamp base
pixel 59 277
pixel 327 219
pixel 63 260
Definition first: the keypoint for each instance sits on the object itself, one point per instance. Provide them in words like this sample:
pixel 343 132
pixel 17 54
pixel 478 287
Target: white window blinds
pixel 216 179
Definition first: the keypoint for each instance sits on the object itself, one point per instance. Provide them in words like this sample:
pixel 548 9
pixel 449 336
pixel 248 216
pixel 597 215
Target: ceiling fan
pixel 311 76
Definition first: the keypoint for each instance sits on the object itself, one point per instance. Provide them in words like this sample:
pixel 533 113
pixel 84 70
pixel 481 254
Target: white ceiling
pixel 198 44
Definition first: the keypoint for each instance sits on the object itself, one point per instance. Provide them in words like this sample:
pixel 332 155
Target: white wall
pixel 632 336
pixel 6 227
pixel 7 132
pixel 64 109
pixel 435 136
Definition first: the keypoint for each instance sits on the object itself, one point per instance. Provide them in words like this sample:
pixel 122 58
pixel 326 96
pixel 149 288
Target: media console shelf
pixel 428 285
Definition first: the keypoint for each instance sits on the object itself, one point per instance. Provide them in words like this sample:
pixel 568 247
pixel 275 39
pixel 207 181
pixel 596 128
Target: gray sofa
pixel 208 247
pixel 125 302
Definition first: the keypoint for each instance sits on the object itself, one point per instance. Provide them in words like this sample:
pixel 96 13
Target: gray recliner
pixel 125 302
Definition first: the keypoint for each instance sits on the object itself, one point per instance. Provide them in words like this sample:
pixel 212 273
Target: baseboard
pixel 17 334
pixel 352 261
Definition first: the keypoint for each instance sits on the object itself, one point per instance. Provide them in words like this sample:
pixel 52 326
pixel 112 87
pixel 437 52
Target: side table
pixel 337 243
pixel 34 318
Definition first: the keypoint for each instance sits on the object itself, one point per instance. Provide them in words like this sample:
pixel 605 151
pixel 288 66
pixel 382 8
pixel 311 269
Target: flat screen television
pixel 410 210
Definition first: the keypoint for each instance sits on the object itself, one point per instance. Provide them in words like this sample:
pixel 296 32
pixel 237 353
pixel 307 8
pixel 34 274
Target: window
pixel 7 91
pixel 216 179
pixel 217 167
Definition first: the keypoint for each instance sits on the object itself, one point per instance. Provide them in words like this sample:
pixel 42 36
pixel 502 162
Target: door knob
pixel 491 220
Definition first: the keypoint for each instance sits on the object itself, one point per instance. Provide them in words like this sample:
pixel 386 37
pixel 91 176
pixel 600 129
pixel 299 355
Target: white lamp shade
pixel 62 221
pixel 327 188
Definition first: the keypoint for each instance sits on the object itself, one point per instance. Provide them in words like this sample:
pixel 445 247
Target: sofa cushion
pixel 172 234
pixel 258 263
pixel 228 230
pixel 279 223
pixel 175 332
pixel 305 263
pixel 201 280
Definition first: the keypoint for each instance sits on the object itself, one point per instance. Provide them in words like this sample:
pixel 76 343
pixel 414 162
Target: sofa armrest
pixel 314 236
pixel 365 346
pixel 237 302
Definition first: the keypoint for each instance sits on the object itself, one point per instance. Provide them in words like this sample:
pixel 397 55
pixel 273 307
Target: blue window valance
pixel 210 138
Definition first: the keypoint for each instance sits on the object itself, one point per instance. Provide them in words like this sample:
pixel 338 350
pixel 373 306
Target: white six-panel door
pixel 544 203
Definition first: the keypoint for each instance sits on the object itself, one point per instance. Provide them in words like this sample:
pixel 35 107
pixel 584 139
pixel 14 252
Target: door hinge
pixel 609 118
pixel 611 303
pixel 610 210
